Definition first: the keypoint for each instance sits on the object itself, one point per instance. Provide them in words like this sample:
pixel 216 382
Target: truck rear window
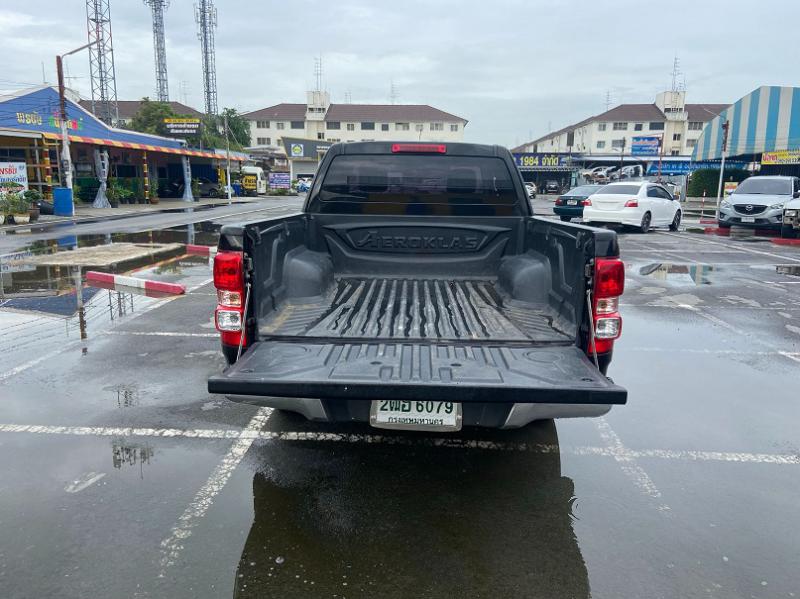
pixel 418 184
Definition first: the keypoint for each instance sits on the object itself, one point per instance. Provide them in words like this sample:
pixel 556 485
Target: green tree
pixel 213 135
pixel 150 117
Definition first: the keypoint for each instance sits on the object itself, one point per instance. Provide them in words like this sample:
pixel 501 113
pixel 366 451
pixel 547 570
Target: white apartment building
pixel 677 123
pixel 318 119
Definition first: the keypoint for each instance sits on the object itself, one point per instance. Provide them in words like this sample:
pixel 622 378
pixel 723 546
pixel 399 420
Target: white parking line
pixel 163 334
pixel 612 451
pixel 733 247
pixel 79 485
pixel 626 460
pixel 172 545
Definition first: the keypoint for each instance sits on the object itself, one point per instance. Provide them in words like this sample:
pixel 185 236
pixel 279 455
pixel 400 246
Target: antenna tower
pixel 205 14
pixel 101 61
pixel 157 7
pixel 393 94
pixel 608 100
pixel 318 73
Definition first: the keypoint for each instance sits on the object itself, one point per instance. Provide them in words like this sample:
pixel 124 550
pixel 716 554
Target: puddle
pixel 680 274
pixel 788 269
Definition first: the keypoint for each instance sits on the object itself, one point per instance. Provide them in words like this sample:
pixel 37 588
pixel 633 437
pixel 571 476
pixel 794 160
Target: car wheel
pixel 722 225
pixel 213 192
pixel 565 219
pixel 645 226
pixel 788 232
pixel 676 222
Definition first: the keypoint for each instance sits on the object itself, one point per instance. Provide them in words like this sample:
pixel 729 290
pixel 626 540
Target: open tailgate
pixel 460 372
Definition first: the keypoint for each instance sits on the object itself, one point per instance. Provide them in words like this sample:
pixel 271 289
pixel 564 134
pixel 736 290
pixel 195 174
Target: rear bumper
pixel 573 211
pixel 487 415
pixel 619 217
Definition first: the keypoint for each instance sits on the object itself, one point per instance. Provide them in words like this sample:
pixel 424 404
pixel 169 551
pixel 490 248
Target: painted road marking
pixel 734 247
pixel 785 459
pixel 627 462
pixel 88 480
pixel 172 545
pixel 163 334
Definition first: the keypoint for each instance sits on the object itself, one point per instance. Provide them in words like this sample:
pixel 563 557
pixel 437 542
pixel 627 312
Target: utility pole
pixel 228 151
pixel 621 154
pixel 725 126
pixel 66 160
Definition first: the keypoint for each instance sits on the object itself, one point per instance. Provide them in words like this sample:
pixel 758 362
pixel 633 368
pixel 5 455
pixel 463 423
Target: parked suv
pixel 790 228
pixel 758 202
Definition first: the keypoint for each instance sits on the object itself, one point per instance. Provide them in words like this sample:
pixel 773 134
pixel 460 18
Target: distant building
pixel 129 108
pixel 318 119
pixel 678 124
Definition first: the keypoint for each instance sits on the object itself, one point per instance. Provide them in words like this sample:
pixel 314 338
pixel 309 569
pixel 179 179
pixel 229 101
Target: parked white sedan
pixel 635 204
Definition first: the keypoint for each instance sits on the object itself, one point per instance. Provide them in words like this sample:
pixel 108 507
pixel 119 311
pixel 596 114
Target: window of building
pixel 638 126
pixel 334 139
pixel 298 124
pixel 367 140
pixel 402 126
pixel 384 126
pixel 437 126
pixel 351 126
pixel 619 126
pixel 618 143
pixel 320 135
pixel 675 153
pixel 676 137
pixel 262 141
pixel 333 125
pixel 454 127
pixel 280 125
pixel 601 145
pixel 601 126
pixel 262 124
pixel 655 126
pixel 367 126
pixel 690 143
pixel 419 127
pixel 695 126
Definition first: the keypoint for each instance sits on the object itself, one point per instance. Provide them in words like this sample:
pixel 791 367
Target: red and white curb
pixel 109 281
pixel 201 250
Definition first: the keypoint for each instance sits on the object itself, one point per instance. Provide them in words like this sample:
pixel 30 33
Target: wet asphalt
pixel 122 477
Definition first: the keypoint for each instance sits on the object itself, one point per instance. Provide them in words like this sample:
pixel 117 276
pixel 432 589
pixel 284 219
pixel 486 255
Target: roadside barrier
pixel 110 281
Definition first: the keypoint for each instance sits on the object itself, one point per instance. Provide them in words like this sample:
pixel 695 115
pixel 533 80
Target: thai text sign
pixel 13 176
pixel 781 157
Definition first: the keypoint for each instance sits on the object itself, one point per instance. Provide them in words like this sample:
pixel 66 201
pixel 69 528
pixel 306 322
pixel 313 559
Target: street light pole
pixel 228 151
pixel 66 160
pixel 725 126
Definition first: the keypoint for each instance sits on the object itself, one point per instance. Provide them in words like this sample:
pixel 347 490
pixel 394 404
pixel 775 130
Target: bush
pixel 279 192
pixel 707 179
pixel 17 204
pixel 33 195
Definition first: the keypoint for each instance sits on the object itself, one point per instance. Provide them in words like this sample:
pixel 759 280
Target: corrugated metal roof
pixel 765 120
pixel 358 112
pixel 129 108
pixel 703 112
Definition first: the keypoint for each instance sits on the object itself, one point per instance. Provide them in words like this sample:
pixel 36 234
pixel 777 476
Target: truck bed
pixel 413 309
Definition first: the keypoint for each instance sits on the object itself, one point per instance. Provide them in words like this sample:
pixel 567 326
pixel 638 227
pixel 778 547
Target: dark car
pixel 552 187
pixel 570 205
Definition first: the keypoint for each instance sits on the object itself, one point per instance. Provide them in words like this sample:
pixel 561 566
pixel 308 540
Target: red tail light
pixel 609 284
pixel 559 201
pixel 587 202
pixel 229 281
pixel 420 148
pixel 634 203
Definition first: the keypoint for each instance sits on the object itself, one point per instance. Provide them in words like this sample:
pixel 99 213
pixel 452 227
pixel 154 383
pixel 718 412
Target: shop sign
pixel 296 150
pixel 182 126
pixel 781 157
pixel 13 176
pixel 543 161
pixel 16 262
pixel 280 181
pixel 645 146
pixel 730 187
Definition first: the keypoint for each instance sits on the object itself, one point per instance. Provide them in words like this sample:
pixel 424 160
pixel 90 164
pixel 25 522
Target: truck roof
pixel 385 147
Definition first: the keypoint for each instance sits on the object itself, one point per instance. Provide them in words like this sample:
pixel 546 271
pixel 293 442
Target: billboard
pixel 542 161
pixel 781 157
pixel 645 146
pixel 13 176
pixel 279 181
pixel 182 126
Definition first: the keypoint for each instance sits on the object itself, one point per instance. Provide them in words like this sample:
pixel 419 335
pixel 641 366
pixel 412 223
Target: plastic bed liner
pixel 404 308
pixel 463 372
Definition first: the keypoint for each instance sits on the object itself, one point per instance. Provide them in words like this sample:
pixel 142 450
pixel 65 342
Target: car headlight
pixel 725 204
pixel 776 206
pixel 790 213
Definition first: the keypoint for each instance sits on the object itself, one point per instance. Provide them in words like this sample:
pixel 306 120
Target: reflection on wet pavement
pixel 380 521
pixel 788 269
pixel 680 274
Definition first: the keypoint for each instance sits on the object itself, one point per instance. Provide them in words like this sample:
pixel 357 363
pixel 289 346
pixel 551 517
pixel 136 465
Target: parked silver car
pixel 758 202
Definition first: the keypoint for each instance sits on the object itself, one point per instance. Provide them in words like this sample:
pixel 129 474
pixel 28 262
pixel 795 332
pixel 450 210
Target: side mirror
pixel 796 194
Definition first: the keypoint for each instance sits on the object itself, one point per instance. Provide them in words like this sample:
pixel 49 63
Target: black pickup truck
pixel 417 290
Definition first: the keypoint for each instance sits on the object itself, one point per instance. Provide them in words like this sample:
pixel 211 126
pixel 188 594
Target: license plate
pixel 748 219
pixel 572 202
pixel 418 415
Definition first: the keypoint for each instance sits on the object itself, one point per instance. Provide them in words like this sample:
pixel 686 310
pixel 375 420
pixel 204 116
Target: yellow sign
pixel 29 118
pixel 182 121
pixel 781 157
pixel 730 187
pixel 249 182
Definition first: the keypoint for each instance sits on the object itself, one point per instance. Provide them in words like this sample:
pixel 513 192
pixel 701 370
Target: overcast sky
pixel 514 69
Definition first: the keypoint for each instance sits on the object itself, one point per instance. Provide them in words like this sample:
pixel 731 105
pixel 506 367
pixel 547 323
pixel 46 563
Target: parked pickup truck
pixel 417 290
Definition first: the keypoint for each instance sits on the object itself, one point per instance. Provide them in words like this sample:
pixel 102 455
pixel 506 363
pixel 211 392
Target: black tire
pixel 565 219
pixel 646 220
pixel 722 225
pixel 787 232
pixel 213 192
pixel 676 222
